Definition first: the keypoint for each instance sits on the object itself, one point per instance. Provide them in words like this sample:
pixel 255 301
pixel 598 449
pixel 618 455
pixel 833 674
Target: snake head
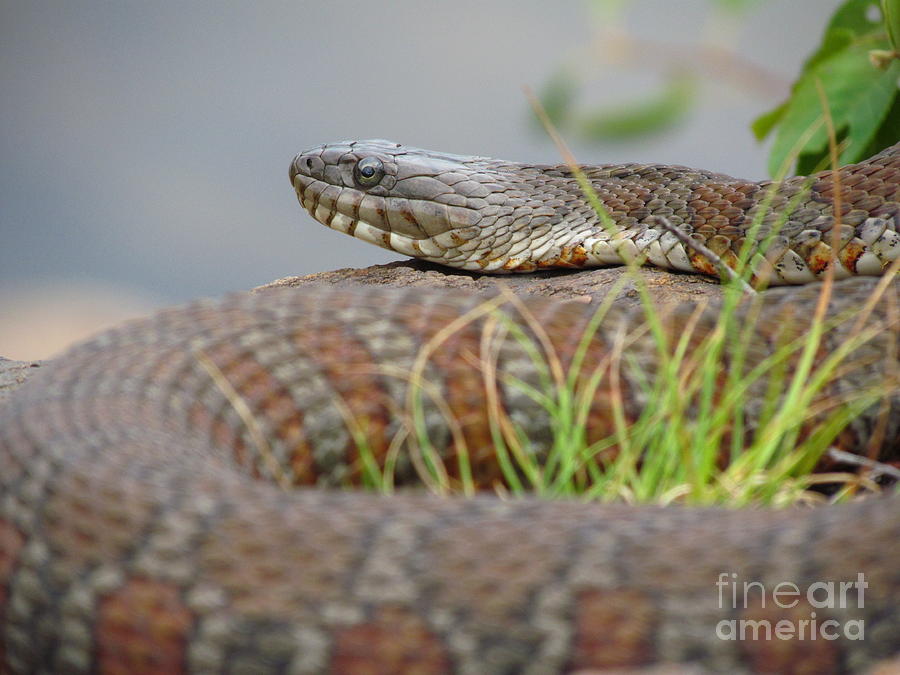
pixel 467 212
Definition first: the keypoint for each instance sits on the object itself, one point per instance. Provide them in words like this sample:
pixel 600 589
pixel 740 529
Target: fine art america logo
pixel 739 595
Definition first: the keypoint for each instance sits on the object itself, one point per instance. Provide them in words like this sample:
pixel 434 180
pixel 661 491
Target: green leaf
pixel 865 115
pixel 889 131
pixel 856 16
pixel 652 115
pixel 762 126
pixel 840 33
pixel 859 97
pixel 834 41
pixel 890 10
pixel 558 95
pixel 736 6
pixel 849 22
pixel 604 11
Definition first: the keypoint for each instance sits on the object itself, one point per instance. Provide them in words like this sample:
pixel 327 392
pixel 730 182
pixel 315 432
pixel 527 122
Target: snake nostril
pixel 302 165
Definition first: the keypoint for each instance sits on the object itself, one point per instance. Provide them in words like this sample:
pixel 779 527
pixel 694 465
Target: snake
pixel 180 494
pixel 487 215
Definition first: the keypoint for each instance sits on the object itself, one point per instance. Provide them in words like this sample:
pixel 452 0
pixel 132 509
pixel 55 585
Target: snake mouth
pixel 341 212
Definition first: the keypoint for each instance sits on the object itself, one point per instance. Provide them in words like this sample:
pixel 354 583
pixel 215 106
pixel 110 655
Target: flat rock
pixel 587 285
pixel 590 285
pixel 13 375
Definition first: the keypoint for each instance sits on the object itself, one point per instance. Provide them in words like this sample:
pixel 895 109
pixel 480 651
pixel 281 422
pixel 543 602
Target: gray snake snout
pixel 409 203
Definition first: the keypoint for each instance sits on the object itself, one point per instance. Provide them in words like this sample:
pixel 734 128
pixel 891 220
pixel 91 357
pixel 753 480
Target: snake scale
pixel 156 514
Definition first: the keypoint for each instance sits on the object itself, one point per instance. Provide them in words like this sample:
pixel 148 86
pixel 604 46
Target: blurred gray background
pixel 145 145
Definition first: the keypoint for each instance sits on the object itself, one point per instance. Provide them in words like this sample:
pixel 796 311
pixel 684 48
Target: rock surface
pixel 13 375
pixel 591 285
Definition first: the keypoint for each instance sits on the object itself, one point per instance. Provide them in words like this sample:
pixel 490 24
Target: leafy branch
pixel 858 68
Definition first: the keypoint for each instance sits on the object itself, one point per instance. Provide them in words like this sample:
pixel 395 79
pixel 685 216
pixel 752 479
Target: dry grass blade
pixel 247 417
pixel 417 377
pixel 712 256
pixel 876 469
pixel 836 205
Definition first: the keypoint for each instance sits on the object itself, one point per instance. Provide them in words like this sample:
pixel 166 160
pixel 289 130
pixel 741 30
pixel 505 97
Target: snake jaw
pixel 413 210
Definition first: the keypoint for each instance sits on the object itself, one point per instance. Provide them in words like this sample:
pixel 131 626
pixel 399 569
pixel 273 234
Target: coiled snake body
pixel 147 520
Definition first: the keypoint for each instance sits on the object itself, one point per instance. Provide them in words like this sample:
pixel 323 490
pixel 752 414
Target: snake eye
pixel 369 171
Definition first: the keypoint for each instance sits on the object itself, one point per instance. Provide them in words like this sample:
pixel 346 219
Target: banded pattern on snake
pixel 489 215
pixel 156 514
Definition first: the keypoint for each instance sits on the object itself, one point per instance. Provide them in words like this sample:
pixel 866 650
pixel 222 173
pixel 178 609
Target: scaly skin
pixel 491 215
pixel 153 510
pixel 142 529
